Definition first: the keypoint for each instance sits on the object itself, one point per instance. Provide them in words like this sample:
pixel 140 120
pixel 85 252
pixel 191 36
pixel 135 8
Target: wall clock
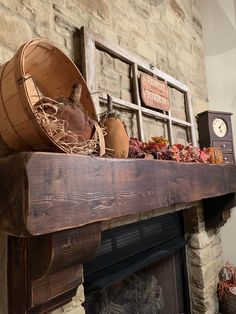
pixel 215 129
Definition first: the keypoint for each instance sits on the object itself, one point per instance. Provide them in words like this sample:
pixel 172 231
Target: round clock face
pixel 219 127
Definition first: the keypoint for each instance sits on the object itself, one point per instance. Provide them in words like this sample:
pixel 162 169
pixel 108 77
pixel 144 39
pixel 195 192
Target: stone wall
pixel 167 34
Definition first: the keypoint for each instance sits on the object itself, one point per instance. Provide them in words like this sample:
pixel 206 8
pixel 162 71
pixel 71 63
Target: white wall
pixel 219 30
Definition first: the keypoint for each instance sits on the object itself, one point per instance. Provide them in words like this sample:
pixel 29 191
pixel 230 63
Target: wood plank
pixel 88 50
pixel 138 102
pixel 157 114
pixel 13 194
pixel 48 192
pixel 130 58
pixel 190 118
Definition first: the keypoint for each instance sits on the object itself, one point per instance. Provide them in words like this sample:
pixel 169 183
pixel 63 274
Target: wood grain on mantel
pixel 46 192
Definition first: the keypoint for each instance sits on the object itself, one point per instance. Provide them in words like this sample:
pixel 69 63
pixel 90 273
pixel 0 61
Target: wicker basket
pixel 39 64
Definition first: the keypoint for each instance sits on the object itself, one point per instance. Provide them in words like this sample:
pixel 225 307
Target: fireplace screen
pixel 139 269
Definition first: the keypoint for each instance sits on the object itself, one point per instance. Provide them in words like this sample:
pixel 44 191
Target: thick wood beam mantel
pixel 47 192
pixel 52 207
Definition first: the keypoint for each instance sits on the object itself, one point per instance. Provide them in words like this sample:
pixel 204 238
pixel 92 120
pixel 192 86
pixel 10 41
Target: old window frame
pixel 91 41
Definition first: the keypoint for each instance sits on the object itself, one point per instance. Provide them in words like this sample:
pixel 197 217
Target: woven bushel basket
pixel 36 63
pixel 228 303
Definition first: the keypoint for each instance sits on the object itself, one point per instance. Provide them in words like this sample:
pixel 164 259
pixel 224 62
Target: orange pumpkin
pixel 116 139
pixel 215 155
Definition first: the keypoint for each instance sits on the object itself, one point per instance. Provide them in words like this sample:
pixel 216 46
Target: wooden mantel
pixel 52 206
pixel 47 192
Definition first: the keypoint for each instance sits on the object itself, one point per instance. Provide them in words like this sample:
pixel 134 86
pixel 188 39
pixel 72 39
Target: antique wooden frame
pixel 91 41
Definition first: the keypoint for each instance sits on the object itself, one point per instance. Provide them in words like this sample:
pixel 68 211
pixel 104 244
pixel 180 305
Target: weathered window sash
pixel 91 42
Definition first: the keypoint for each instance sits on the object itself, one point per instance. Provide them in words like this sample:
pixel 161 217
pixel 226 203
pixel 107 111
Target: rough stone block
pixel 122 67
pixel 154 128
pixel 10 34
pixel 5 54
pixel 145 50
pixel 126 95
pixel 177 9
pixel 199 240
pixel 100 9
pixel 42 12
pixel 72 15
pixel 125 82
pixel 159 34
pixel 17 7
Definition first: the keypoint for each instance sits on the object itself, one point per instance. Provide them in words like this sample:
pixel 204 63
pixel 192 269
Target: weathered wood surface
pixel 44 272
pixel 46 192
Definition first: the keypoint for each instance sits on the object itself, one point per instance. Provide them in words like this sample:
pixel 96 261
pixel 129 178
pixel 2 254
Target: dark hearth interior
pixel 139 268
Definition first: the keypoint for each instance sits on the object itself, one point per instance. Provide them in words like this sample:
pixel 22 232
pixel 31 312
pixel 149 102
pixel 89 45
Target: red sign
pixel 154 92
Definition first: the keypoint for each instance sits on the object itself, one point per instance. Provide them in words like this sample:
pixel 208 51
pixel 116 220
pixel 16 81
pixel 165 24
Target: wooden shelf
pixel 47 192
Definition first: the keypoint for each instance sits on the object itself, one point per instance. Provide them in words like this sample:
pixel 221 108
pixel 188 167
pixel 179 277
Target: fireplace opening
pixel 139 268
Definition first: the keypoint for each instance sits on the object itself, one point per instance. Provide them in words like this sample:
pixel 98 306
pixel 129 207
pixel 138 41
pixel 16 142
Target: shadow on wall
pixel 220 35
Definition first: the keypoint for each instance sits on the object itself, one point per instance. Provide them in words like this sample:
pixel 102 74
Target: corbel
pixel 217 210
pixel 45 271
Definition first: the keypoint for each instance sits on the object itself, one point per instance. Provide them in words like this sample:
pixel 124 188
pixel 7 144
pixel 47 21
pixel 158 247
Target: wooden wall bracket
pixel 217 210
pixel 45 271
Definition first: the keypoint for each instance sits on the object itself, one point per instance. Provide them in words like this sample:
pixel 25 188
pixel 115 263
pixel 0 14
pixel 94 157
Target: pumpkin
pixel 215 155
pixel 78 121
pixel 116 139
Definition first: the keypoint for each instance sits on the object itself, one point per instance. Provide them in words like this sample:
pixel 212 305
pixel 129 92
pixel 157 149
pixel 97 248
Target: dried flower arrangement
pixel 159 148
pixel 227 289
pixel 227 280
